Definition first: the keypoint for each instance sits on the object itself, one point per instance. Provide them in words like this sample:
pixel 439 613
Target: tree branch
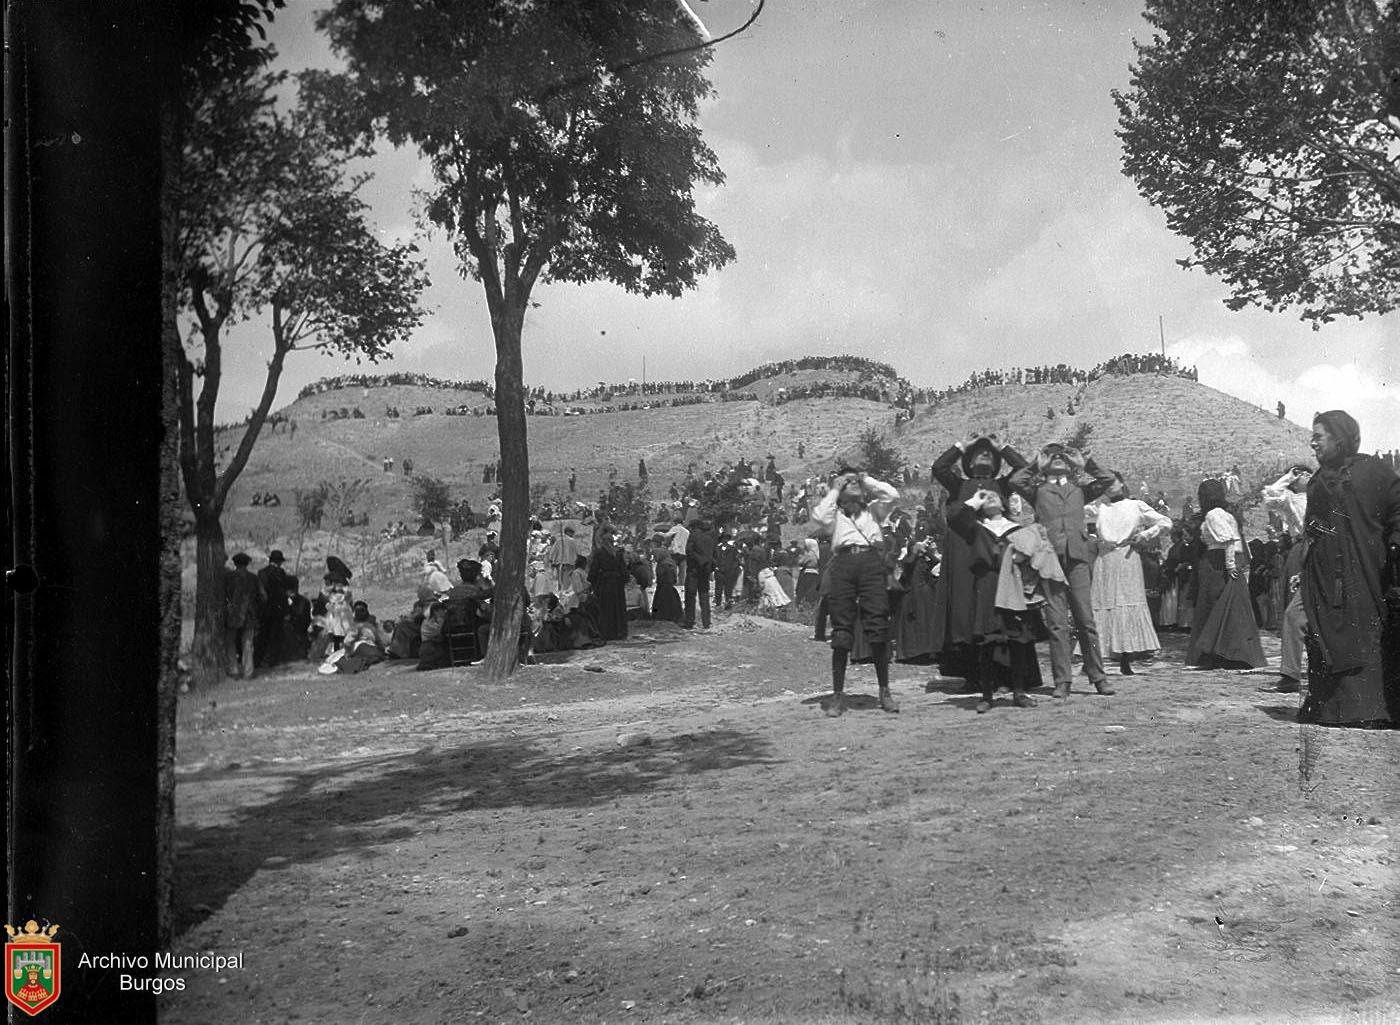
pixel 259 414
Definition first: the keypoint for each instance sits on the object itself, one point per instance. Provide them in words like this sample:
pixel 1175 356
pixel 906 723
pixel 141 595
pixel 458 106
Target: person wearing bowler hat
pixel 268 649
pixel 243 603
pixel 853 510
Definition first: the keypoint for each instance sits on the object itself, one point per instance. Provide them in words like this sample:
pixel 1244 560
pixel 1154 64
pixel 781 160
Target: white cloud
pixel 1232 365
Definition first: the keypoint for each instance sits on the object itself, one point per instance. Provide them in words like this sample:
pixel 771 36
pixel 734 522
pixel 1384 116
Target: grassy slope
pixel 456 448
pixel 1168 431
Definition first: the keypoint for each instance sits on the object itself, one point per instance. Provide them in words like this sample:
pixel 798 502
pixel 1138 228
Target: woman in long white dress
pixel 1118 593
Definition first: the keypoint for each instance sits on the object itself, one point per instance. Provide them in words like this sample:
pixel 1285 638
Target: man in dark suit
pixel 1051 484
pixel 727 563
pixel 700 567
pixel 243 603
pixel 268 646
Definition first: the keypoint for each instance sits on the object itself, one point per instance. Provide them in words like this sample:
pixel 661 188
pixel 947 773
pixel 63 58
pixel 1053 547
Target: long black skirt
pixel 1224 629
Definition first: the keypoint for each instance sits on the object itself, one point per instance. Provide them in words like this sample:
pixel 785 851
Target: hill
pixel 1162 431
pixel 456 448
pixel 1166 431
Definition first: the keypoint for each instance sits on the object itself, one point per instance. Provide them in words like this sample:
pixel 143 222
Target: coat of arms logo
pixel 32 964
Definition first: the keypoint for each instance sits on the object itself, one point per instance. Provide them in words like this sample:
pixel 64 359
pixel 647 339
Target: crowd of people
pixel 1060 373
pixel 366 381
pixel 876 382
pixel 1056 550
pixel 1051 549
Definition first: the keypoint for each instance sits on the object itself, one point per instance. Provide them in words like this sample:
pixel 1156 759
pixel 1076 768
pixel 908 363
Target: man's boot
pixel 887 702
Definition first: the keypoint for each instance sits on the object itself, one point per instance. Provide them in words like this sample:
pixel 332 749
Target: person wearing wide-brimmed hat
pixel 335 590
pixel 853 510
pixel 1351 581
pixel 978 461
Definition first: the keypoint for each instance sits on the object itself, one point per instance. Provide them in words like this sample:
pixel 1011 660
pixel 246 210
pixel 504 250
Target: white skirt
pixel 1120 604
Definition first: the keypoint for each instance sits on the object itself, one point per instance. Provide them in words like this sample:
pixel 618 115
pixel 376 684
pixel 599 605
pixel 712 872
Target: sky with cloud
pixel 931 183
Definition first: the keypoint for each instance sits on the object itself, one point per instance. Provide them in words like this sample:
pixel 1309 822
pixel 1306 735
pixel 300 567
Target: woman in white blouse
pixel 1118 593
pixel 1224 633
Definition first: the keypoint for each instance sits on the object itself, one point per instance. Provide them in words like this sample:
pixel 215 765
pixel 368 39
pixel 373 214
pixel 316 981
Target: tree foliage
pixel 559 151
pixel 878 458
pixel 625 505
pixel 1268 131
pixel 432 499
pixel 267 223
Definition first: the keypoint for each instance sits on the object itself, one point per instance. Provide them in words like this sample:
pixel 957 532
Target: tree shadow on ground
pixel 355 808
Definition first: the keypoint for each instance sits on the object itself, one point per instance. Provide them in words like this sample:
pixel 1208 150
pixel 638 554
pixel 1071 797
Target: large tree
pixel 201 44
pixel 560 152
pixel 1268 131
pixel 270 227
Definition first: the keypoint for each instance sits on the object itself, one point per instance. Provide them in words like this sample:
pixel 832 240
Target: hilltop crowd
pixel 877 382
pixel 327 384
pixel 1060 373
pixel 834 389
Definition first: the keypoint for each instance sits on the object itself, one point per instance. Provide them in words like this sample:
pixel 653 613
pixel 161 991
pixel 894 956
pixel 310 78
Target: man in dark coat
pixel 1053 488
pixel 727 558
pixel 1351 581
pixel 607 574
pixel 268 649
pixel 243 604
pixel 700 567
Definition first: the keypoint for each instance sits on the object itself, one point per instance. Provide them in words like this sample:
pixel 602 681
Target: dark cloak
pixel 1353 519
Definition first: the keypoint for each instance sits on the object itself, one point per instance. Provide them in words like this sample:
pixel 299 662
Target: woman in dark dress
pixel 666 605
pixel 1351 582
pixel 1004 638
pixel 607 574
pixel 982 461
pixel 1224 634
pixel 913 627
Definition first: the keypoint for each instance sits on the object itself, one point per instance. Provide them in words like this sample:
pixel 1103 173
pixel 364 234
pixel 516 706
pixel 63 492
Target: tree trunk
pixel 514 480
pixel 208 651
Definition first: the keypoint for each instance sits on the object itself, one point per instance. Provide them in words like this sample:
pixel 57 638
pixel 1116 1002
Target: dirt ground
pixel 668 829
